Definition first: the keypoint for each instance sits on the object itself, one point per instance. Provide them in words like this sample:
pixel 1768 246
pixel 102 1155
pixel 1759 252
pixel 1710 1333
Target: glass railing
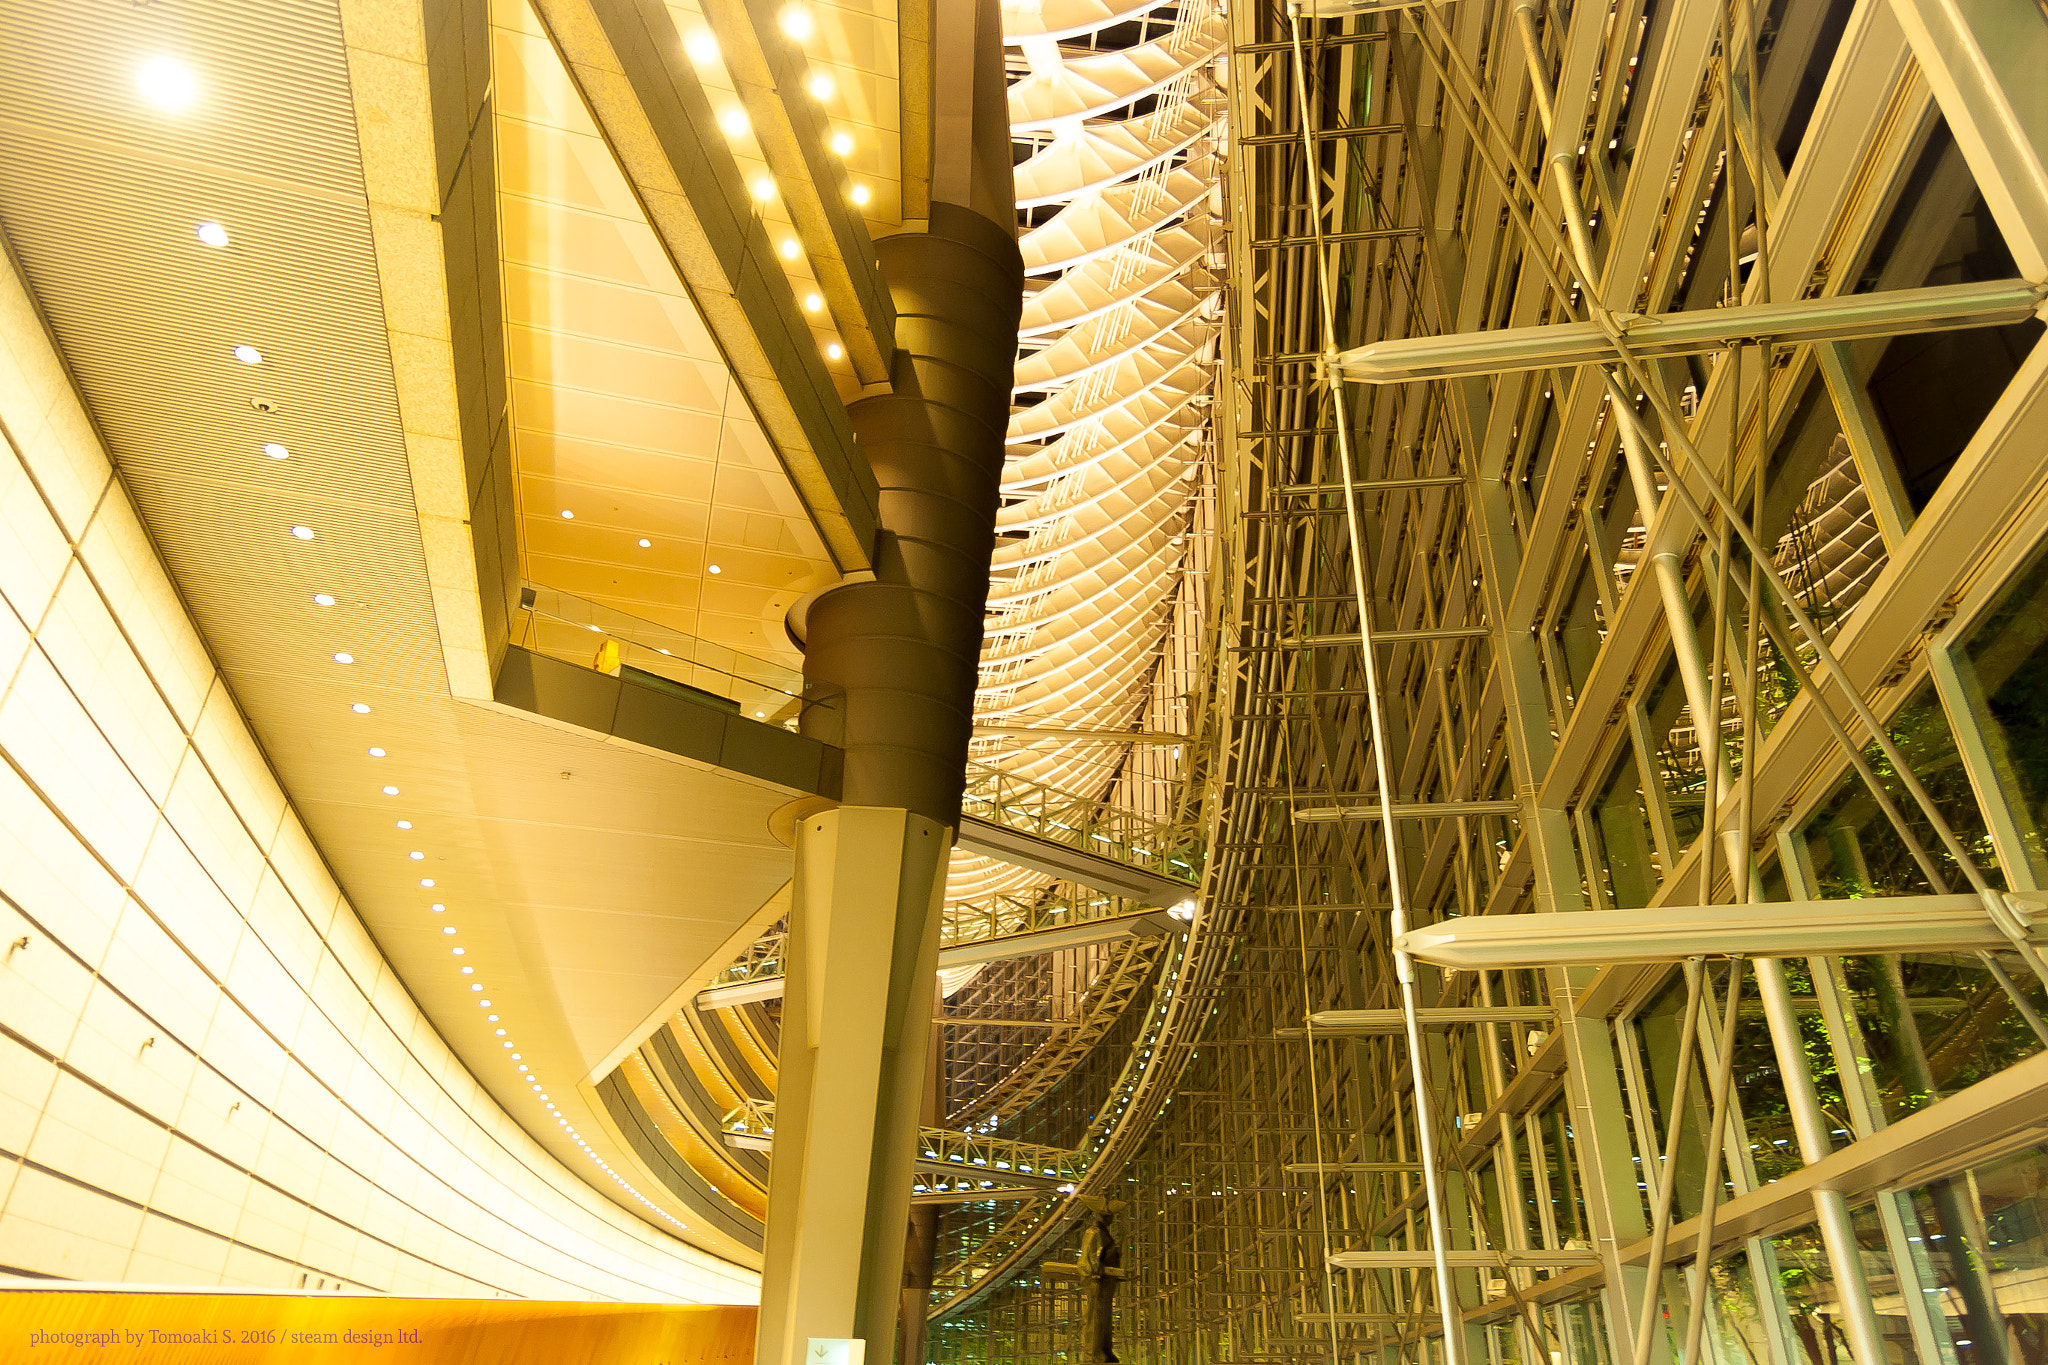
pixel 578 631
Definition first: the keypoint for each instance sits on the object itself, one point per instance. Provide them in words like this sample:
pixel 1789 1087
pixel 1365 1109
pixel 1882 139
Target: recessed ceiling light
pixel 701 46
pixel 567 515
pixel 376 752
pixel 479 987
pixel 861 196
pixel 789 248
pixel 426 881
pixel 391 791
pixel 302 533
pixel 447 928
pixel 796 22
pixel 457 952
pixel 438 908
pixel 812 303
pixel 764 188
pixel 733 121
pixel 248 355
pixel 405 824
pixel 344 658
pixel 645 543
pixel 323 599
pixel 835 350
pixel 469 971
pixel 275 451
pixel 842 144
pixel 821 86
pixel 416 855
pixel 213 234
pixel 714 568
pixel 167 83
pixel 360 708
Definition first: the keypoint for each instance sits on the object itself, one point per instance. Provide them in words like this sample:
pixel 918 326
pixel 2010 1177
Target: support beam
pixel 1672 933
pixel 1847 317
pixel 1374 1023
pixel 1405 810
pixel 1461 1260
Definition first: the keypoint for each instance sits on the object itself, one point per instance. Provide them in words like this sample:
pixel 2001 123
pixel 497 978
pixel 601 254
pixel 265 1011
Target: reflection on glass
pixel 2004 669
pixel 1622 854
pixel 1985 1234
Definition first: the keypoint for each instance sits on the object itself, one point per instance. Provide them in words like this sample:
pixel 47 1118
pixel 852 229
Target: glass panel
pixel 1623 856
pixel 2004 665
pixel 1984 1235
pixel 1657 1029
pixel 1800 1261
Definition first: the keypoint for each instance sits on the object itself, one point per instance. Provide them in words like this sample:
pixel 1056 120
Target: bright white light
pixel 426 881
pixel 248 355
pixel 360 708
pixel 478 988
pixel 733 121
pixel 323 599
pixel 471 971
pixel 167 83
pixel 275 451
pixel 457 952
pixel 789 248
pixel 302 533
pixel 860 196
pixel 796 22
pixel 821 86
pixel 344 658
pixel 842 144
pixel 645 543
pixel 764 189
pixel 416 855
pixel 834 351
pixel 812 303
pixel 713 568
pixel 567 515
pixel 701 46
pixel 376 752
pixel 1183 911
pixel 391 791
pixel 405 824
pixel 213 234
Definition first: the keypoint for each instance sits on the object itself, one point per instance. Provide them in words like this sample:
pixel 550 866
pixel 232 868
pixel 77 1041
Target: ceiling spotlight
pixel 821 86
pixel 842 144
pixel 360 709
pixel 167 83
pixel 376 752
pixel 469 971
pixel 713 568
pixel 426 881
pixel 275 451
pixel 248 355
pixel 457 952
pixel 478 987
pixel 812 303
pixel 405 824
pixel 416 855
pixel 645 543
pixel 213 234
pixel 789 248
pixel 834 351
pixel 733 121
pixel 764 189
pixel 323 599
pixel 701 46
pixel 1185 910
pixel 391 791
pixel 796 22
pixel 567 515
pixel 302 533
pixel 344 658
pixel 860 196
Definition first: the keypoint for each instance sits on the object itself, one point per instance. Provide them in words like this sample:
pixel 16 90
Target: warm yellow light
pixel 812 303
pixel 842 143
pixel 733 121
pixel 167 83
pixel 834 351
pixel 701 46
pixel 861 196
pixel 764 189
pixel 789 248
pixel 821 86
pixel 796 22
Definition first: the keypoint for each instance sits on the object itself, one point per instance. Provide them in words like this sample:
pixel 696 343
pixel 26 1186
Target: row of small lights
pixel 797 25
pixel 169 84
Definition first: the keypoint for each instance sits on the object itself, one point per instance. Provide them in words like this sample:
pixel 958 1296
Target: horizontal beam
pixel 1336 238
pixel 1353 1167
pixel 1672 933
pixel 1320 135
pixel 1389 637
pixel 1021 848
pixel 1461 1260
pixel 1406 810
pixel 1004 1023
pixel 972 1196
pixel 1846 317
pixel 1305 490
pixel 1370 1023
pixel 1090 736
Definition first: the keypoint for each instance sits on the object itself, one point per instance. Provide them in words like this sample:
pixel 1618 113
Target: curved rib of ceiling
pixel 1139 322
pixel 1181 368
pixel 1089 87
pixel 1091 156
pixel 1132 426
pixel 1067 18
pixel 1106 281
pixel 1106 219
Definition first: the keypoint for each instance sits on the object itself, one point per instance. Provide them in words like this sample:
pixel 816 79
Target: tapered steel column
pixel 890 671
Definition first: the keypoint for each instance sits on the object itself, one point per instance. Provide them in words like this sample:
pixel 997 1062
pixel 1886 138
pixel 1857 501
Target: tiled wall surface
pixel 208 1073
